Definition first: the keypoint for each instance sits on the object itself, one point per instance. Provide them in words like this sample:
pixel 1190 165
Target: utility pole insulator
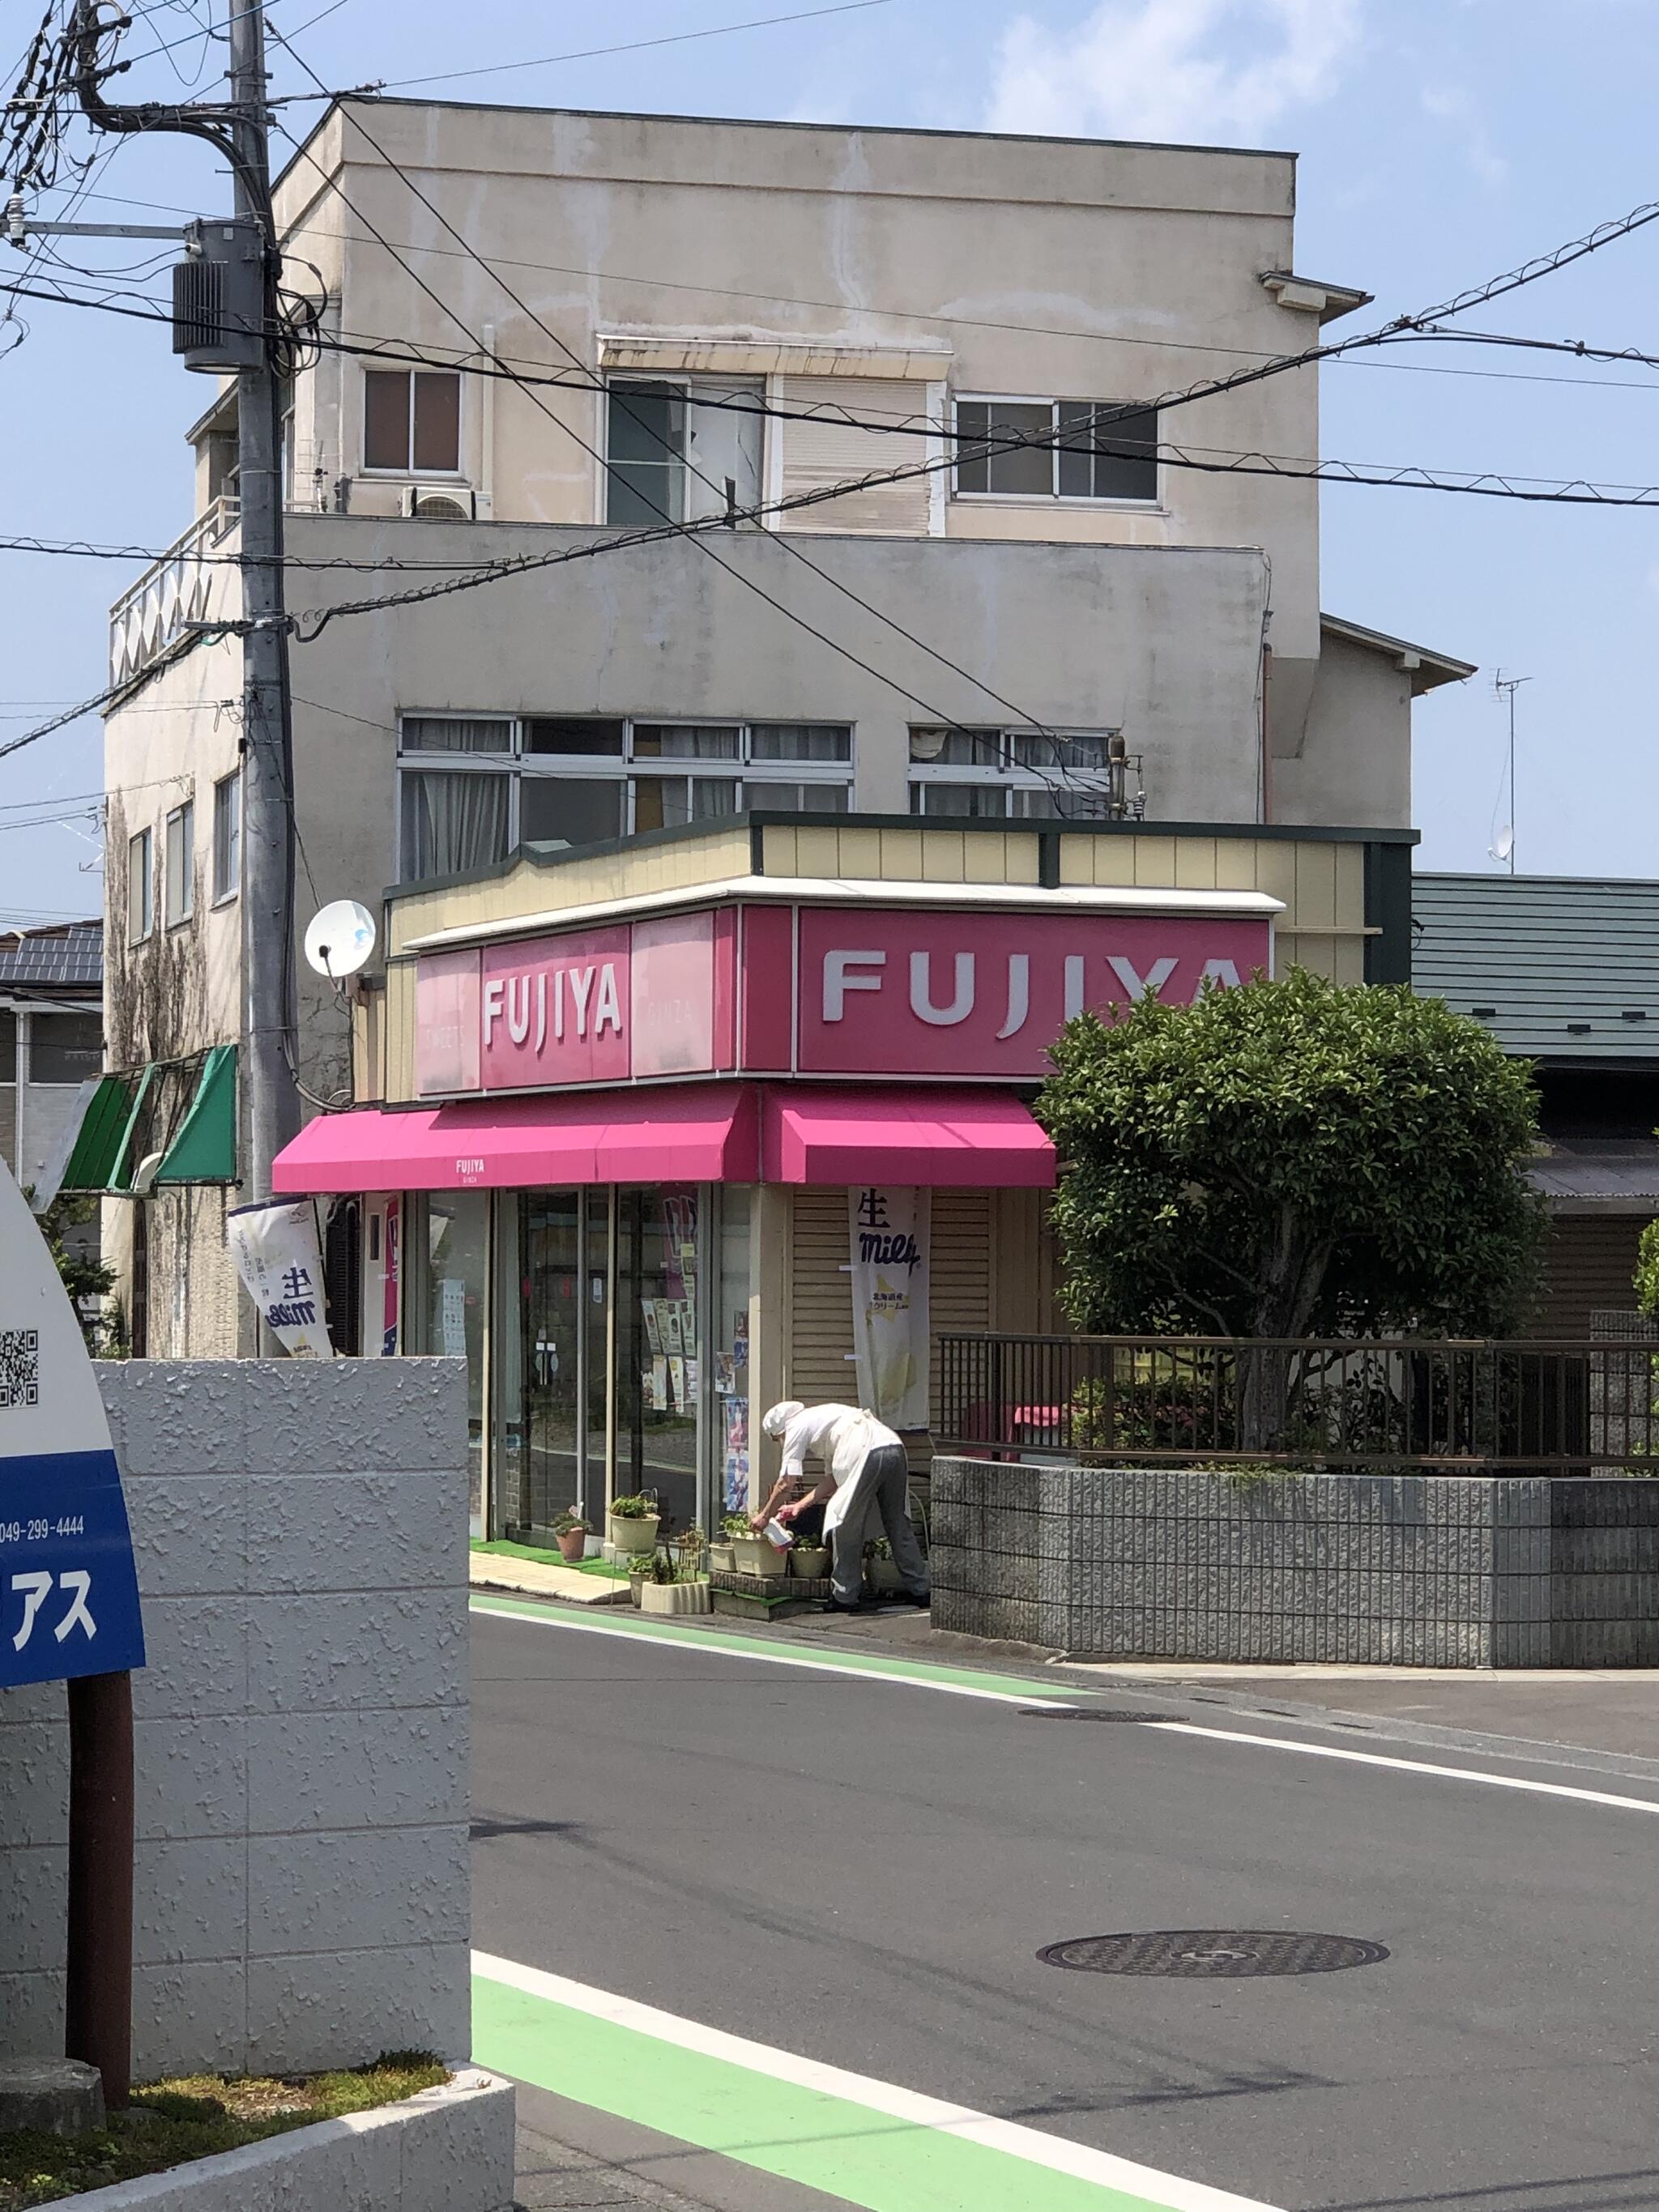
pixel 219 298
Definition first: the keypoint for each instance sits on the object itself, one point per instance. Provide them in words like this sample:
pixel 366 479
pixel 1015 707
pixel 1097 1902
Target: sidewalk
pixel 1613 1711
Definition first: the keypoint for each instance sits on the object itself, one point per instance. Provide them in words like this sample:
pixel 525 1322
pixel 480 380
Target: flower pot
pixel 633 1536
pixel 720 1558
pixel 674 1597
pixel 573 1544
pixel 883 1575
pixel 812 1560
pixel 753 1555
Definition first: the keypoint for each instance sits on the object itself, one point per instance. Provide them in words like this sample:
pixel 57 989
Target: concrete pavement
pixel 860 1871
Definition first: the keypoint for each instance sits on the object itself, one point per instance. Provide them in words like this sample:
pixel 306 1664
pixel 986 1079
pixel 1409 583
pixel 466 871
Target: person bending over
pixel 863 1460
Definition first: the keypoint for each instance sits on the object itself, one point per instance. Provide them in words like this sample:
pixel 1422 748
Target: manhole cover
pixel 1212 1954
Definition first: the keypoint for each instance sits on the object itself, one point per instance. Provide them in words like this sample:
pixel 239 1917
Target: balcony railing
pixel 1557 1407
pixel 184 585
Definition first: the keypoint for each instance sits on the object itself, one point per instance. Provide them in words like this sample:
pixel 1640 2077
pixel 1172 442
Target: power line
pixel 748 582
pixel 594 53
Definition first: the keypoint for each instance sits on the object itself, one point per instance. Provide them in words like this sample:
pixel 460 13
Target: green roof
pixel 1558 968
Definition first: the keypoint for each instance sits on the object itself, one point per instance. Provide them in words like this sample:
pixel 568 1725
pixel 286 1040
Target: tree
pixel 1293 1158
pixel 82 1278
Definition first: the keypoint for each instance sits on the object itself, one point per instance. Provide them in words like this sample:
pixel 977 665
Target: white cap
pixel 778 1419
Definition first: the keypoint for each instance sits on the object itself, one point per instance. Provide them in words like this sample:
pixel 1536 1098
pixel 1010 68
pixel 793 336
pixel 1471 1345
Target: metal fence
pixel 1556 1407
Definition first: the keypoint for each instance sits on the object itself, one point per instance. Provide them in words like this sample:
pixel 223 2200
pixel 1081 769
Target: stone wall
pixel 301 1728
pixel 1411 1570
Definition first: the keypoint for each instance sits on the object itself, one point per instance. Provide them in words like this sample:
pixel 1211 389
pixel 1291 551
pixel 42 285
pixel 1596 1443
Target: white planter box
pixel 674 1597
pixel 448 2149
pixel 753 1555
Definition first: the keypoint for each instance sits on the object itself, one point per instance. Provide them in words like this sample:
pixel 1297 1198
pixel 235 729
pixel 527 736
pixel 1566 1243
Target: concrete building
pixel 947 590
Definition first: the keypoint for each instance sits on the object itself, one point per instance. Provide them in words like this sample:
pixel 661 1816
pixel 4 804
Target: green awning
pixel 204 1150
pixel 103 1129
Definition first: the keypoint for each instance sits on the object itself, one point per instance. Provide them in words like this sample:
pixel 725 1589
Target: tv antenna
pixel 1503 846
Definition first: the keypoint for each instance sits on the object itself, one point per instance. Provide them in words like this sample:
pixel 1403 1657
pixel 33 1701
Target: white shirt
pixel 842 1436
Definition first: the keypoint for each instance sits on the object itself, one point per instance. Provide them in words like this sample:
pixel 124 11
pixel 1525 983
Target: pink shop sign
pixel 556 1010
pixel 893 992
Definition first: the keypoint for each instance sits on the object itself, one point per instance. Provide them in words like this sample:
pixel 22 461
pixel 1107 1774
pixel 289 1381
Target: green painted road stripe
pixel 923 1674
pixel 868 2142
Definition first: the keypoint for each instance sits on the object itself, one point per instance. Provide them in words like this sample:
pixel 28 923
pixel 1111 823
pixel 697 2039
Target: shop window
pixel 658 1381
pixel 457 1287
pixel 681 449
pixel 66 1048
pixel 1084 449
pixel 412 422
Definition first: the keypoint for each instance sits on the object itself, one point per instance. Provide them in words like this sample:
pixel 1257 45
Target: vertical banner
pixel 391 1280
pixel 892 1233
pixel 279 1257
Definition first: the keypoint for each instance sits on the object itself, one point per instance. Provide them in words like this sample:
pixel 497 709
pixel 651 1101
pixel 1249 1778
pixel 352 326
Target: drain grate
pixel 1077 1713
pixel 1212 1954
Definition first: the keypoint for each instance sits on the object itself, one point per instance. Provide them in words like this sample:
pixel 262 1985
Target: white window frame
pixel 146 837
pixel 223 893
pixel 519 763
pixel 685 380
pixel 411 474
pixel 1006 773
pixel 186 874
pixel 1055 497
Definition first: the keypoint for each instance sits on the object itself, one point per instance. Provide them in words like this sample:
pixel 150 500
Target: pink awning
pixel 951 1139
pixel 703 1133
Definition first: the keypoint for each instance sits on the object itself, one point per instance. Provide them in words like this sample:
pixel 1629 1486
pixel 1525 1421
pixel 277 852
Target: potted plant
pixel 880 1569
pixel 631 1523
pixel 809 1560
pixel 732 1525
pixel 664 1588
pixel 570 1534
pixel 752 1553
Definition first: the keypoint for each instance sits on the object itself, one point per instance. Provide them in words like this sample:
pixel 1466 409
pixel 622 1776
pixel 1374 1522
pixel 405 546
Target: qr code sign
pixel 19 1367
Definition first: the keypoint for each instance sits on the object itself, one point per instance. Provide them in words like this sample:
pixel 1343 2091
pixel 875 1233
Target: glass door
pixel 553 1326
pixel 657 1371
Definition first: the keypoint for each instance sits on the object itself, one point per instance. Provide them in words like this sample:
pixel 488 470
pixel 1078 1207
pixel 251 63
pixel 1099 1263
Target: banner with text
pixel 279 1258
pixel 892 1233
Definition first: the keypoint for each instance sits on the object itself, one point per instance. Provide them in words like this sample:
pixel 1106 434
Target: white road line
pixel 1029 1697
pixel 1411 1766
pixel 1031 2144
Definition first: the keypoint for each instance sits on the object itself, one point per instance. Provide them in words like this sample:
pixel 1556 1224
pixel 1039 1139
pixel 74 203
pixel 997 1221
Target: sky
pixel 1441 142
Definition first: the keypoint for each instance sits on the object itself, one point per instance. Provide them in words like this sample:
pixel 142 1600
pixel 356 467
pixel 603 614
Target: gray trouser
pixel 882 1481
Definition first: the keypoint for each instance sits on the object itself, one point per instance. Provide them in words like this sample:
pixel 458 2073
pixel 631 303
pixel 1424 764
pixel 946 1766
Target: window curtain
pixel 455 733
pixel 453 823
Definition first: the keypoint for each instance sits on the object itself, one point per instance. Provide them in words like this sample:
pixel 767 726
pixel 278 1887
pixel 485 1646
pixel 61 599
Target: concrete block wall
pixel 301 1728
pixel 1403 1570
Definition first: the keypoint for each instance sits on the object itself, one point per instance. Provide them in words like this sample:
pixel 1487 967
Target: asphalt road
pixel 863 1872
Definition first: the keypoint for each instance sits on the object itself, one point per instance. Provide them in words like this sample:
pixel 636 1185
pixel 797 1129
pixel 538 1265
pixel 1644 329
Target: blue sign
pixel 69 1591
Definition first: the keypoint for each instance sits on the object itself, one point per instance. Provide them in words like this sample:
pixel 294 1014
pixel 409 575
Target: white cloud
pixel 1203 70
pixel 1455 108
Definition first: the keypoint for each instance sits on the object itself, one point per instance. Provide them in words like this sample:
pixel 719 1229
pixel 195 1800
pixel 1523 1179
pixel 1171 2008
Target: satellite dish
pixel 339 939
pixel 1500 850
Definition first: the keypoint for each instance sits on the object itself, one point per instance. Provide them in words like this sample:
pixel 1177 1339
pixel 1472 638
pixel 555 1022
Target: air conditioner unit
pixel 441 502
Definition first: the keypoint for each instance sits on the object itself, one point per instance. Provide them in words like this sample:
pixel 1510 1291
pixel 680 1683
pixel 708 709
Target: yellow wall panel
pixel 901 856
pixel 942 858
pixel 861 853
pixel 1275 874
pixel 1236 863
pixel 984 859
pixel 1155 862
pixel 778 850
pixel 1315 887
pixel 1194 863
pixel 1351 886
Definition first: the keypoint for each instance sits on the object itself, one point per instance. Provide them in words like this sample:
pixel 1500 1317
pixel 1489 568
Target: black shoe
pixel 836 1605
pixel 918 1597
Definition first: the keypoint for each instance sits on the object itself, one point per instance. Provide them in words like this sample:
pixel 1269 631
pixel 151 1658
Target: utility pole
pixel 1506 687
pixel 269 1102
pixel 269 1106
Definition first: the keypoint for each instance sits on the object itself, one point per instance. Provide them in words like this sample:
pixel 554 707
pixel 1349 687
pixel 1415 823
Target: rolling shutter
pixel 827 451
